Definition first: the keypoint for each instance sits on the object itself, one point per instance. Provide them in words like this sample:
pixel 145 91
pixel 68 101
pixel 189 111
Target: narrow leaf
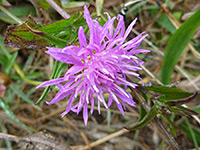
pixel 182 101
pixel 3 60
pixel 176 45
pixel 20 36
pixel 187 131
pixel 166 23
pixel 172 128
pixel 192 133
pixel 31 35
pixel 151 114
pixel 166 93
pixel 183 111
pixel 11 62
pixel 52 39
pixel 17 91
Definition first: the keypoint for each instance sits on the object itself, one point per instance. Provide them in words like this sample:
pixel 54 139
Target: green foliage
pixel 165 22
pixel 13 90
pixel 145 120
pixel 135 8
pixel 11 61
pixel 20 11
pixel 165 101
pixel 31 35
pixel 177 44
pixel 25 98
pixel 165 93
pixel 190 131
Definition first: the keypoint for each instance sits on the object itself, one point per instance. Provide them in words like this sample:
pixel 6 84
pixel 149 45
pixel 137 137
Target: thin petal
pixel 60 96
pixel 120 108
pixel 81 37
pixel 68 105
pixel 90 24
pixel 92 104
pixel 51 82
pixel 129 28
pixel 85 113
pixel 120 27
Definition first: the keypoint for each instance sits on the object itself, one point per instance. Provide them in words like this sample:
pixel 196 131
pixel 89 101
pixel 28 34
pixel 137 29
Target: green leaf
pixel 3 60
pixel 29 60
pixel 143 112
pixel 192 132
pixel 166 23
pixel 196 110
pixel 186 130
pixel 183 111
pixel 151 114
pixel 12 116
pixel 25 98
pixel 182 101
pixel 31 35
pixel 52 39
pixel 4 130
pixel 4 50
pixel 34 75
pixel 136 7
pixel 172 128
pixel 11 62
pixel 176 45
pixel 20 36
pixel 177 15
pixel 166 93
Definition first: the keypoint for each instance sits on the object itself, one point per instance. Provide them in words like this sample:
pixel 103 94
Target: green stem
pixel 21 74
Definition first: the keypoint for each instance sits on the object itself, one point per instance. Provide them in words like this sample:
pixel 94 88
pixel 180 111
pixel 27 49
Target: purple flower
pixel 99 66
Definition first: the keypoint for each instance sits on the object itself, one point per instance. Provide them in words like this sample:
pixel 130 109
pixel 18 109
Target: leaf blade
pixel 176 45
pixel 151 114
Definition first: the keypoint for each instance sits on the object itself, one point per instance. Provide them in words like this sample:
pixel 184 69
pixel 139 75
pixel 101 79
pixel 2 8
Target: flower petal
pixel 85 113
pixel 81 37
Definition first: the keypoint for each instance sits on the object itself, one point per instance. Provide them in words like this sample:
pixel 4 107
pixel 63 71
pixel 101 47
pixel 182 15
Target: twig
pixel 9 137
pixel 65 119
pixel 107 138
pixel 63 13
pixel 37 139
pixel 152 75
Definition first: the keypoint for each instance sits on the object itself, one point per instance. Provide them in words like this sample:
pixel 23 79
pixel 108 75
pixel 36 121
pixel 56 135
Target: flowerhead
pixel 99 66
